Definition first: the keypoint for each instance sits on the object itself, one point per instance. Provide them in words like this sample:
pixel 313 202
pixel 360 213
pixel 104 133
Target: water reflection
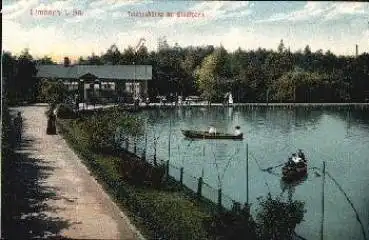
pixel 290 187
pixel 339 137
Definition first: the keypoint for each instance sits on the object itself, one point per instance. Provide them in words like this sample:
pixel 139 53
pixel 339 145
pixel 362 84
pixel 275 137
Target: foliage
pixel 162 214
pixel 45 60
pixel 235 224
pixel 100 129
pixel 142 173
pixel 277 219
pixel 176 216
pixel 6 135
pixel 211 75
pixel 291 83
pixel 18 73
pixel 53 92
pixel 64 111
pixel 251 75
pixel 168 213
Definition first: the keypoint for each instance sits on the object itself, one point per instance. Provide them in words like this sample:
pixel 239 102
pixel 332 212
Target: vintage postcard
pixel 185 120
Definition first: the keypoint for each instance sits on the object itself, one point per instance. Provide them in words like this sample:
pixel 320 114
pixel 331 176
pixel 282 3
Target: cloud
pixel 348 8
pixel 18 8
pixel 98 28
pixel 212 11
pixel 321 10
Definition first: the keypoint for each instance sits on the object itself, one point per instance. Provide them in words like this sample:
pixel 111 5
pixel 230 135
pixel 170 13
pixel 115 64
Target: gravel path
pixel 77 198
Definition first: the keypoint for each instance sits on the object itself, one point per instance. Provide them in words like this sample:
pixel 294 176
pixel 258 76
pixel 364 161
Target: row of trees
pixel 18 82
pixel 252 76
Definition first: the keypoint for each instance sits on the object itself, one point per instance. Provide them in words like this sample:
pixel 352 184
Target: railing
pixel 197 185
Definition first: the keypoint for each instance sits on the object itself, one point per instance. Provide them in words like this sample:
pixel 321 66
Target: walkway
pixel 68 198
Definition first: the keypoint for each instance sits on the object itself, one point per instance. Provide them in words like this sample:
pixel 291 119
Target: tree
pixel 66 61
pixel 112 56
pixel 188 66
pixel 25 81
pixel 45 60
pixel 206 78
pixel 94 60
pixel 82 61
pixel 281 47
pixel 142 55
pixel 128 56
pixel 298 86
pixel 9 68
pixel 53 92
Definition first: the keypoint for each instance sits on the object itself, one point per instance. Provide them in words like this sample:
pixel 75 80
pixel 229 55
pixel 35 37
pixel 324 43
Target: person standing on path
pixel 18 126
pixel 51 124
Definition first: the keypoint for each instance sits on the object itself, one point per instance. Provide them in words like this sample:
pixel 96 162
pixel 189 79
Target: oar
pixel 270 168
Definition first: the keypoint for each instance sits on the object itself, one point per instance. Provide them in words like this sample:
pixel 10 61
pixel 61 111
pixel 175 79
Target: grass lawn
pixel 167 213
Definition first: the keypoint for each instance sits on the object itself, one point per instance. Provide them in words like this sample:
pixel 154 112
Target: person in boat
pixel 294 160
pixel 301 155
pixel 290 162
pixel 212 130
pixel 238 132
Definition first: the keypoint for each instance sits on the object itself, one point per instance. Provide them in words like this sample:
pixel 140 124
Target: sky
pixel 83 27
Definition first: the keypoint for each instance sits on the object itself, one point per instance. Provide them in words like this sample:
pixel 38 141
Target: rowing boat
pixel 207 135
pixel 294 169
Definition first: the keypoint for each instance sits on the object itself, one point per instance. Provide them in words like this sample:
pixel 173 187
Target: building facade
pixel 100 80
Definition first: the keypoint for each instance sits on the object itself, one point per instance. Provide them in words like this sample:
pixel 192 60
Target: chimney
pixel 66 62
pixel 357 50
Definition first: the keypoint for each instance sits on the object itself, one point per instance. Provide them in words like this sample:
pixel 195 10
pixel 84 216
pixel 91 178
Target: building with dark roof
pixel 95 79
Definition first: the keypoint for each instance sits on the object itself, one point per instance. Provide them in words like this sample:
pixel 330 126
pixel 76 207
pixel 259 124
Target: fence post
pixel 167 170
pixel 155 144
pixel 322 219
pixel 181 176
pixel 155 162
pixel 199 187
pixel 135 146
pixel 220 199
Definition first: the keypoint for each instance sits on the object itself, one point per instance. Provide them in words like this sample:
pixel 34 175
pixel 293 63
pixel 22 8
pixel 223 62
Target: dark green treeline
pixel 252 76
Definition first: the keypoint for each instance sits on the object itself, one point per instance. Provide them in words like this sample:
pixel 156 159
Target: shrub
pixel 277 219
pixel 53 92
pixel 235 224
pixel 100 129
pixel 64 111
pixel 142 173
pixel 167 215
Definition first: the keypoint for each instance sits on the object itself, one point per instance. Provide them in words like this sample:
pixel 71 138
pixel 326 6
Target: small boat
pixel 294 169
pixel 207 135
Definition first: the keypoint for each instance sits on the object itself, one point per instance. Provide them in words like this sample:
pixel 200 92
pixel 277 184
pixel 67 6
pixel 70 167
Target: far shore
pixel 203 104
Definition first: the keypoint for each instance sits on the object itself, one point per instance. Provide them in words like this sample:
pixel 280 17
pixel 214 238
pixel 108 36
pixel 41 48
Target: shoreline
pixel 257 104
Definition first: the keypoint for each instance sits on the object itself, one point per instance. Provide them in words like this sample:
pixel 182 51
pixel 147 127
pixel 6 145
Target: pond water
pixel 340 137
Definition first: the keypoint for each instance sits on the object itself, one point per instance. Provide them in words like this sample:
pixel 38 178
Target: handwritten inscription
pixel 55 12
pixel 166 14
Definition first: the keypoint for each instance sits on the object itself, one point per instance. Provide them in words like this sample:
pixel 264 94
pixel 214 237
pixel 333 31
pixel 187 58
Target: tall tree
pixel 112 55
pixel 45 60
pixel 209 77
pixel 25 77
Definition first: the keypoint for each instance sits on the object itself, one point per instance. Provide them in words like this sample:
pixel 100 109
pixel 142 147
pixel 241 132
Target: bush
pixel 165 214
pixel 53 92
pixel 235 224
pixel 142 173
pixel 100 129
pixel 277 219
pixel 64 111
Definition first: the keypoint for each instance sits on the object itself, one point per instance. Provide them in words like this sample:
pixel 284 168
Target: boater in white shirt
pixel 212 130
pixel 237 132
